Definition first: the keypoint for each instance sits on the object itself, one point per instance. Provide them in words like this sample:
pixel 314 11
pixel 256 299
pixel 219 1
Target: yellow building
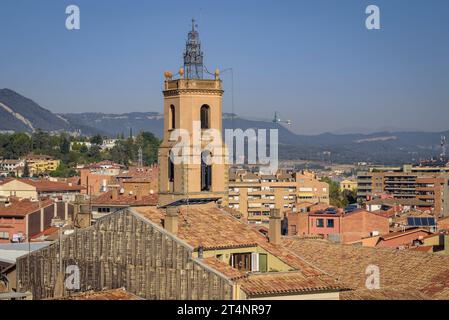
pixel 254 195
pixel 348 184
pixel 39 164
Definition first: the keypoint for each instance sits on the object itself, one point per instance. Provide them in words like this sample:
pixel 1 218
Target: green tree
pixel 334 192
pixel 26 171
pixel 97 139
pixel 64 145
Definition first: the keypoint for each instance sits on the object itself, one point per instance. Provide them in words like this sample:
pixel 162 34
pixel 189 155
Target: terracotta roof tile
pixel 426 273
pixel 286 283
pixel 125 200
pixel 24 207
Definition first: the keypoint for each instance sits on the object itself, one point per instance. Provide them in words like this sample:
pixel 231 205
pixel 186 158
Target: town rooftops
pixel 402 202
pixel 23 207
pixel 282 283
pixel 397 234
pixel 213 228
pixel 403 272
pixel 52 186
pixel 127 200
pixel 46 185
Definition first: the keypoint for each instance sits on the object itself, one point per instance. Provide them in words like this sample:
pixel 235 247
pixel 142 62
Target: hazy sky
pixel 313 61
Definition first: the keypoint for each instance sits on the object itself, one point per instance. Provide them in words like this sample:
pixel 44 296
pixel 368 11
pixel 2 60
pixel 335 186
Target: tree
pixel 63 171
pixel 26 171
pixel 97 139
pixel 64 145
pixel 334 192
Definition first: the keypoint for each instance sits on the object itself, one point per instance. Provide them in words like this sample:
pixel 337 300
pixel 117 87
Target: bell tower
pixel 193 108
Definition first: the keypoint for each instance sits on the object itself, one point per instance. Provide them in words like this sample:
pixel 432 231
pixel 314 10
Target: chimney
pixel 274 231
pixel 171 220
pixel 114 193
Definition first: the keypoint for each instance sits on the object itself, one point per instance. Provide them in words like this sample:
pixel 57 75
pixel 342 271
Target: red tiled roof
pixel 397 234
pixel 46 185
pixel 420 273
pixel 213 228
pixel 224 268
pixel 24 207
pixel 46 232
pixel 52 186
pixel 125 200
pixel 282 283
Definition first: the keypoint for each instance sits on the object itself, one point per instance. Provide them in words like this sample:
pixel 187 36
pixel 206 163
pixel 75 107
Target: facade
pixel 429 185
pixel 41 164
pixel 337 225
pixel 10 166
pixel 254 195
pixel 348 184
pixel 193 105
pixel 21 220
pixel 36 189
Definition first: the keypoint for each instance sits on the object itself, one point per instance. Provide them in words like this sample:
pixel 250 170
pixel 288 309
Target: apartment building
pixel 426 184
pixel 39 164
pixel 254 194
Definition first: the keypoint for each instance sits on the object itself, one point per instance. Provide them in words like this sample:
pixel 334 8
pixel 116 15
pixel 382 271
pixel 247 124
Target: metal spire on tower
pixel 193 56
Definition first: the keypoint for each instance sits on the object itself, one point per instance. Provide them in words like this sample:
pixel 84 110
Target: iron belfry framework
pixel 193 56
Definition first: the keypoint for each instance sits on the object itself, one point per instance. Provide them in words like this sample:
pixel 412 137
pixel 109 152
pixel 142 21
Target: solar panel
pixel 421 222
pixel 418 222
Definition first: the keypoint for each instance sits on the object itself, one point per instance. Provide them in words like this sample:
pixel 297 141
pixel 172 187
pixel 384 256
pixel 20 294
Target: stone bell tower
pixel 193 109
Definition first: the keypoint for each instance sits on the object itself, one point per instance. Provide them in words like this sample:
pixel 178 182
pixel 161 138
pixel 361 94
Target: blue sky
pixel 312 61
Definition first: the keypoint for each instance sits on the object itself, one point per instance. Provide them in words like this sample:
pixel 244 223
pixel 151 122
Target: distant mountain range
pixel 18 113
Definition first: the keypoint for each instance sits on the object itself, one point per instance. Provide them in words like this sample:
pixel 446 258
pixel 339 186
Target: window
pixel 320 223
pixel 330 223
pixel 206 171
pixel 242 261
pixel 172 117
pixel 4 235
pixel 171 169
pixel 205 117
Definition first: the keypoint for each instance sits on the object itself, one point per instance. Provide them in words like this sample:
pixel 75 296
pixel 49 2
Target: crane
pixel 276 119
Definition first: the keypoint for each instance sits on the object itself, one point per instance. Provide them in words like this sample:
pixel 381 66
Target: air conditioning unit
pixel 374 233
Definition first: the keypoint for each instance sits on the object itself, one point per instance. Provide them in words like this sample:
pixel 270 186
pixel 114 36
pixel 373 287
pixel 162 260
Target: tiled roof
pixel 281 283
pixel 46 185
pixel 125 200
pixel 114 294
pixel 24 207
pixel 224 268
pixel 383 294
pixel 426 273
pixel 213 228
pixel 52 186
pixel 398 234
